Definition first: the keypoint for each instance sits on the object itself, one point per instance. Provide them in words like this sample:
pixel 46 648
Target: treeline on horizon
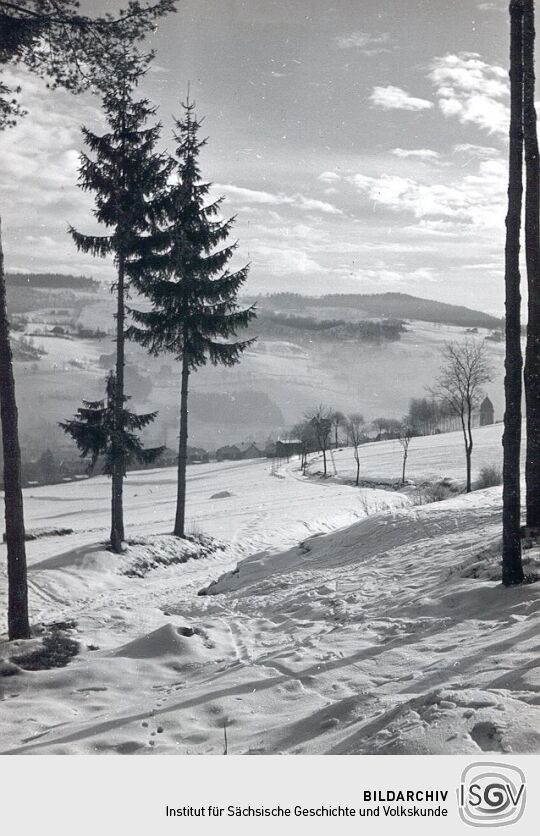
pixel 272 324
pixel 390 305
pixel 50 281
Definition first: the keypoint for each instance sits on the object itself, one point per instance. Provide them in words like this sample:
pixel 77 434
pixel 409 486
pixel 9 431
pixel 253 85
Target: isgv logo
pixel 491 794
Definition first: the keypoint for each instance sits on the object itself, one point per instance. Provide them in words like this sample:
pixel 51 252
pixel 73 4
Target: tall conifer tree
pixel 127 176
pixel 194 311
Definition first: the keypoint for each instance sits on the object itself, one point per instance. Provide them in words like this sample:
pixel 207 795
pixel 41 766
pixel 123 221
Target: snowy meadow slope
pixel 430 458
pixel 334 620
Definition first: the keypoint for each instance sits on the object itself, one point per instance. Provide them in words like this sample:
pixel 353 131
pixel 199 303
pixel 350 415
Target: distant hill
pixel 386 305
pixel 287 326
pixel 51 281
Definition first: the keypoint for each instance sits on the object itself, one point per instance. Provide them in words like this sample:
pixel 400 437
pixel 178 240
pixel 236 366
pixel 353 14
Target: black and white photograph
pixel 270 379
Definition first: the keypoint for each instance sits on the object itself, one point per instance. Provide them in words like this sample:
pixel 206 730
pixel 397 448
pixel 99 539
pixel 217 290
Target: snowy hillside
pixel 430 458
pixel 333 620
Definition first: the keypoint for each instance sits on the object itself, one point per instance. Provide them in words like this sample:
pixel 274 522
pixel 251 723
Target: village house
pixel 229 452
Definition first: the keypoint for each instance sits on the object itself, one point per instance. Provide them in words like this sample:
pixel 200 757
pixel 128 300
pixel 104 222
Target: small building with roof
pixel 487 412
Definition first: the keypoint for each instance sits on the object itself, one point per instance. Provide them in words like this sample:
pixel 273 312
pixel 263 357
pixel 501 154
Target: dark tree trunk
pixel 532 253
pixel 180 521
pixel 469 479
pixel 324 461
pixel 357 457
pixel 117 498
pixel 512 571
pixel 467 454
pixel 404 467
pixel 469 447
pixel 18 625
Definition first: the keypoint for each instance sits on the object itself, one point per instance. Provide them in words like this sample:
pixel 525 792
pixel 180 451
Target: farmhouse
pixel 249 450
pixel 228 453
pixel 288 447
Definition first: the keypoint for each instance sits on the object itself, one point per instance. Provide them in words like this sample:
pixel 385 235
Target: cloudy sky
pixel 361 144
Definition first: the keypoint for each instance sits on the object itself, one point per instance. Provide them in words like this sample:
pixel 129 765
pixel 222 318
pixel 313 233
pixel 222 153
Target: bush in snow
pixel 436 492
pixel 490 476
pixel 56 651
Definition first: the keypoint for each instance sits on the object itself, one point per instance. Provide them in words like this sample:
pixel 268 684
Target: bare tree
pixel 512 572
pixel 304 433
pixel 386 427
pixel 406 432
pixel 355 429
pixel 379 424
pixel 424 415
pixel 338 421
pixel 464 372
pixel 321 422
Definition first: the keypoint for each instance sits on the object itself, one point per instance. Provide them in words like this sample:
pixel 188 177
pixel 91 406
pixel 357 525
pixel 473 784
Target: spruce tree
pixel 127 176
pixel 195 314
pixel 93 430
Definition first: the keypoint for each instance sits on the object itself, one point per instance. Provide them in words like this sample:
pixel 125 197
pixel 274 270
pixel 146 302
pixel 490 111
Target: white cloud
pixel 418 153
pixel 403 193
pixel 380 278
pixel 477 200
pixel 311 236
pixel 365 43
pixel 473 150
pixel 312 205
pixel 283 260
pixel 43 240
pixel 329 177
pixel 472 90
pixel 430 228
pixel 394 98
pixel 492 6
pixel 298 201
pixel 40 158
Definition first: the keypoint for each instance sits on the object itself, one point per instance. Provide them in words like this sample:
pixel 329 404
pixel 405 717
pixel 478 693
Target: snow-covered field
pixel 336 620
